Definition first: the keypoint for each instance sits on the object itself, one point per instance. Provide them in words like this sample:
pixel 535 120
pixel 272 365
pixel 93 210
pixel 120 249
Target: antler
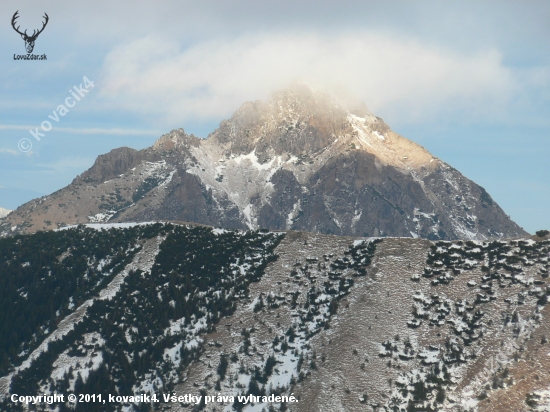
pixel 43 26
pixel 15 16
pixel 35 35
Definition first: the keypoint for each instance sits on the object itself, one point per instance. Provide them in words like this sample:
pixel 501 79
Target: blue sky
pixel 468 80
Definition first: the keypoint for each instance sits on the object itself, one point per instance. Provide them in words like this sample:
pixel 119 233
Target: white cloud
pixel 154 76
pixel 8 151
pixel 89 130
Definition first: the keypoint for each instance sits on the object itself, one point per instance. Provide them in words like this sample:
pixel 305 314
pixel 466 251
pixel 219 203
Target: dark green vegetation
pixel 319 285
pixel 142 338
pixel 146 186
pixel 44 277
pixel 502 265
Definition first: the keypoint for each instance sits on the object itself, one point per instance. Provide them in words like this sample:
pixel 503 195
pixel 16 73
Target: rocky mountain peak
pixel 297 120
pixel 175 140
pixel 301 120
pixel 304 159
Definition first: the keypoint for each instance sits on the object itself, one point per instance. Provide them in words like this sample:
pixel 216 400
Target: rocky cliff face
pixel 303 160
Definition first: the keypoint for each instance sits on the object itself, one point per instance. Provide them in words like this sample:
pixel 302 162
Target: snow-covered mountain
pixel 4 212
pixel 304 160
pixel 311 322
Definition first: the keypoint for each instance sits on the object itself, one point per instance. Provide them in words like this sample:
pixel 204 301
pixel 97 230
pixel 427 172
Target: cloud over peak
pixel 210 79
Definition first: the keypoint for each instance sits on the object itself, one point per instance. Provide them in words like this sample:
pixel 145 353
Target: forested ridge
pixel 44 277
pixel 144 336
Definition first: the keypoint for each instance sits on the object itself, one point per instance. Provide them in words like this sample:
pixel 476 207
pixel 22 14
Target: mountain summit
pixel 303 160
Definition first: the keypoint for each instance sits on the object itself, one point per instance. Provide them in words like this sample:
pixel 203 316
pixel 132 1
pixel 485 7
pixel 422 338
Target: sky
pixel 468 80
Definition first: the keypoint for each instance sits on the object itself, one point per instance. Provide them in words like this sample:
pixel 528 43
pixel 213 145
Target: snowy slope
pixel 339 323
pixel 429 327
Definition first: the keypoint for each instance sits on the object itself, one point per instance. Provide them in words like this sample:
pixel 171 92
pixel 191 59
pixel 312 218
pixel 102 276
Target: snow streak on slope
pixel 143 260
pixel 345 324
pixel 269 349
pixel 149 176
pixel 440 326
pixel 188 276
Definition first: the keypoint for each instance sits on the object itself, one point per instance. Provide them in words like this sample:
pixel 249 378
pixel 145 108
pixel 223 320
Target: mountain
pixel 4 212
pixel 304 160
pixel 285 320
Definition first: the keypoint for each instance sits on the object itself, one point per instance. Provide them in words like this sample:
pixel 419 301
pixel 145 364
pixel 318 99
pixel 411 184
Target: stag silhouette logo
pixel 29 40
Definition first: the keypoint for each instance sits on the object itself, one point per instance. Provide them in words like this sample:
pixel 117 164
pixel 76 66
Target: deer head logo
pixel 29 40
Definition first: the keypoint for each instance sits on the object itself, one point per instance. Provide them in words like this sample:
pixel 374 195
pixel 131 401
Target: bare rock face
pixel 303 160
